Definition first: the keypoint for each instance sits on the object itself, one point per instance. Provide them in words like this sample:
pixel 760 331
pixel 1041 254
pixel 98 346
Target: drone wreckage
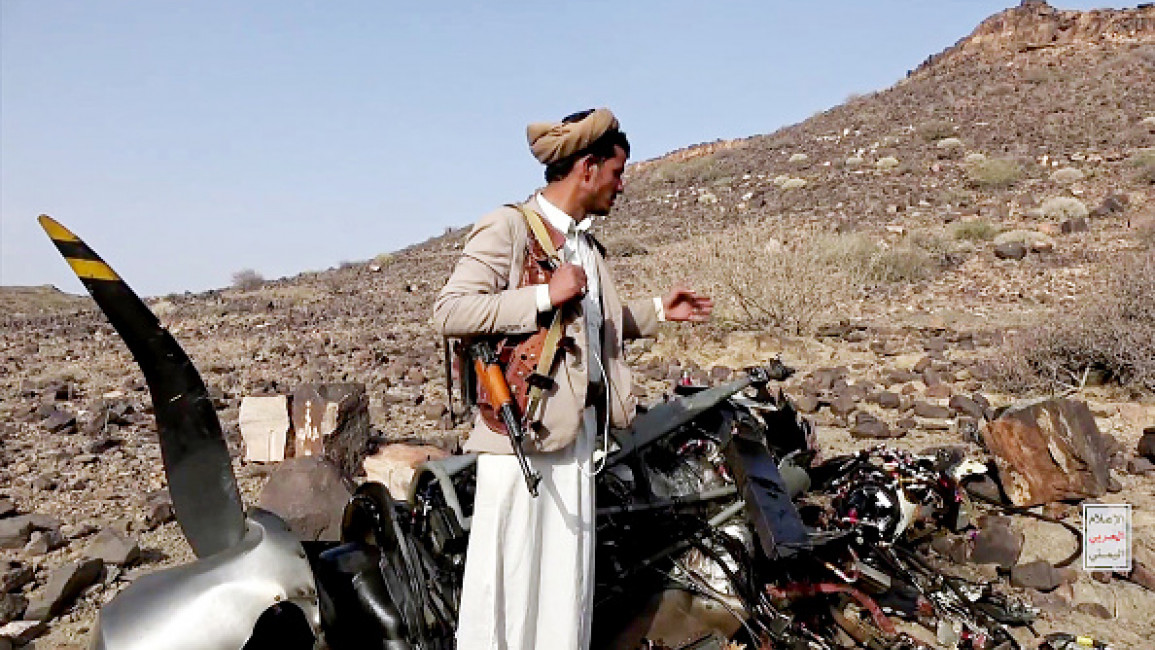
pixel 717 528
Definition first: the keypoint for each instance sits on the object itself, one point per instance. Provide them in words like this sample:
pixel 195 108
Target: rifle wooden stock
pixel 492 379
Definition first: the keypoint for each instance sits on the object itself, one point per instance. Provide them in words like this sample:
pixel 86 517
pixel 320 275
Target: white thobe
pixel 529 578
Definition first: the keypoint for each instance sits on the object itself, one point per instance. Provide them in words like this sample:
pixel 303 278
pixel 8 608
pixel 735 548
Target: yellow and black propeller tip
pixel 84 261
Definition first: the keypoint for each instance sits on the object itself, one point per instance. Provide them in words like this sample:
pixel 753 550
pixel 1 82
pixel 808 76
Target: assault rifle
pixel 492 379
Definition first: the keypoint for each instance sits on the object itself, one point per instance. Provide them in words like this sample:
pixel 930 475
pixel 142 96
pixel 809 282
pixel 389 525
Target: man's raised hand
pixel 684 304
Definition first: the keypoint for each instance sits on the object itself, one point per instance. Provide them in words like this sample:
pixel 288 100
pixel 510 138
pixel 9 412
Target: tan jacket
pixel 482 296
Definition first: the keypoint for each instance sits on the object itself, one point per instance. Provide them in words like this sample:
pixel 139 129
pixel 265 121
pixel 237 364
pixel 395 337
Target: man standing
pixel 529 568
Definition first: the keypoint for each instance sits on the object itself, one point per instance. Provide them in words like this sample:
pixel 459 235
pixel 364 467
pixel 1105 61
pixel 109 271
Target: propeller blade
pixel 196 459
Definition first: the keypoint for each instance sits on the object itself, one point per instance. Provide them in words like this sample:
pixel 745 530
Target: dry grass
pixel 1143 162
pixel 796 281
pixel 993 172
pixel 1060 208
pixel 1111 334
pixel 974 230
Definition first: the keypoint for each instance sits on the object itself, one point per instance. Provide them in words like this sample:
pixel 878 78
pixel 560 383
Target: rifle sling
pixel 553 336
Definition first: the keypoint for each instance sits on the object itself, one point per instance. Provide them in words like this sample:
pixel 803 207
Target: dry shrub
pixel 1112 333
pixel 247 279
pixel 1143 162
pixel 993 172
pixel 760 282
pixel 974 230
pixel 1067 175
pixel 936 130
pixel 1061 208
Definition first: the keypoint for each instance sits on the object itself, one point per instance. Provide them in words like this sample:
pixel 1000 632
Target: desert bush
pixel 247 279
pixel 1066 175
pixel 781 179
pixel 887 163
pixel 974 158
pixel 993 172
pixel 854 161
pixel 949 143
pixel 625 247
pixel 974 230
pixel 796 280
pixel 1143 162
pixel 1061 208
pixel 935 130
pixel 799 158
pixel 794 183
pixel 1112 332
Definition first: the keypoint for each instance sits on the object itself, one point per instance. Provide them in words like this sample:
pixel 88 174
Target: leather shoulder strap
pixel 538 228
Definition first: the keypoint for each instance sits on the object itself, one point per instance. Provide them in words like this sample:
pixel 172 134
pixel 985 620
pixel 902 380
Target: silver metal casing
pixel 214 603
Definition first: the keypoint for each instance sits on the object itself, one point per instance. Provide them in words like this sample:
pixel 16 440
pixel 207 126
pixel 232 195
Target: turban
pixel 553 141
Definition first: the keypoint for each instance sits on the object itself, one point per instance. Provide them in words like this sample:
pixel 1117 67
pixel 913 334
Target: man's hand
pixel 568 282
pixel 683 304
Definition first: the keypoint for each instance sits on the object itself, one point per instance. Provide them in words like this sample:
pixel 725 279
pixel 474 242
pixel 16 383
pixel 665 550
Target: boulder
pixel 310 494
pixel 933 411
pixel 394 466
pixel 64 585
pixel 997 543
pixel 265 428
pixel 12 607
pixel 332 420
pixel 1010 251
pixel 1146 446
pixel 113 547
pixel 14 575
pixel 1048 450
pixel 964 405
pixel 18 634
pixel 15 531
pixel 1040 575
pixel 868 426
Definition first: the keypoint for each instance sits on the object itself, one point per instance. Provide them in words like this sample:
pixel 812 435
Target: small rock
pixel 964 405
pixel 906 423
pixel 720 373
pixel 1146 446
pixel 1013 250
pixel 983 487
pixel 113 548
pixel 998 543
pixel 1101 576
pixel 1097 610
pixel 953 547
pixel 7 506
pixel 433 410
pixel 1140 466
pixel 1039 575
pixel 43 541
pixel 12 607
pixel 939 391
pixel 1142 575
pixel 1113 485
pixel 157 509
pixel 310 494
pixel 931 411
pixel 842 405
pixel 14 575
pixel 19 634
pixel 63 586
pixel 807 403
pixel 15 531
pixel 868 426
pixel 60 421
pixel 1078 224
pixel 889 400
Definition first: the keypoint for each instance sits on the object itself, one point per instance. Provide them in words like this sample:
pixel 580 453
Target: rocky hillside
pixel 977 143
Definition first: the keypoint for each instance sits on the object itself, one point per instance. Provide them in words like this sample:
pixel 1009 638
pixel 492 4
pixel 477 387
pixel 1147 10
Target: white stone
pixel 265 425
pixel 394 466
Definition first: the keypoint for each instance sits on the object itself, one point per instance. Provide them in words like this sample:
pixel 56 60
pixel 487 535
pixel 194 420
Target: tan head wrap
pixel 552 141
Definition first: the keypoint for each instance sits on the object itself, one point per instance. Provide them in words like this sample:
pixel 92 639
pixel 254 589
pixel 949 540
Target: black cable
pixel 1019 510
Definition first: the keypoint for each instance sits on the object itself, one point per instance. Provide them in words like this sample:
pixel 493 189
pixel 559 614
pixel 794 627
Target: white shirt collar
pixel 560 220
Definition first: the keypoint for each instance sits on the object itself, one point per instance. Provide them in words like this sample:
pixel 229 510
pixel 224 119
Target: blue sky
pixel 189 140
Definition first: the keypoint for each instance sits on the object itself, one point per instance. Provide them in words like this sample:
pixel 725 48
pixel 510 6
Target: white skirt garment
pixel 529 568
